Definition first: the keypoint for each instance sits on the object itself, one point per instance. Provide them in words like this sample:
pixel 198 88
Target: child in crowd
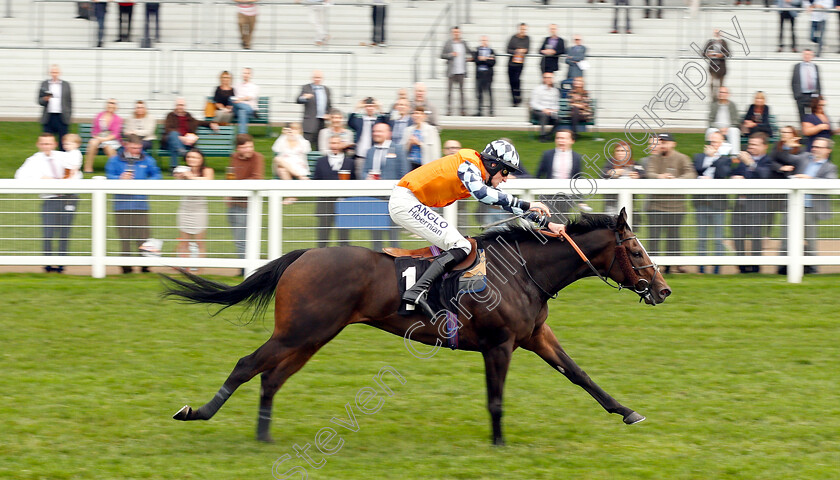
pixel 72 155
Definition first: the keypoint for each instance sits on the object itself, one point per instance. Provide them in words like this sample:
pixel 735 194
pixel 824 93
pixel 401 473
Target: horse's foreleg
pixel 264 358
pixel 496 363
pixel 544 343
pixel 271 382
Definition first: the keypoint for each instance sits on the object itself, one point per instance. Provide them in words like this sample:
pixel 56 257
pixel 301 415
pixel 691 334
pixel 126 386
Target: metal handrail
pixel 429 39
pixel 99 66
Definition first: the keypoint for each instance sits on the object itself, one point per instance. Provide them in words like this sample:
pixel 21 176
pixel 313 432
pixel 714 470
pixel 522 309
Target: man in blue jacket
pixel 131 212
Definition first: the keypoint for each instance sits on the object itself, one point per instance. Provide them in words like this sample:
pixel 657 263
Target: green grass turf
pixel 737 376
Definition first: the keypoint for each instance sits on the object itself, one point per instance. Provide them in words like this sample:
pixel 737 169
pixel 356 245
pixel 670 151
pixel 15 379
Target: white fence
pixel 782 214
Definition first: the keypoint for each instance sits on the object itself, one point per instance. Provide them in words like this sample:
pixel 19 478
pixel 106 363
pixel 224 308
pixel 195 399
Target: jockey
pixel 441 183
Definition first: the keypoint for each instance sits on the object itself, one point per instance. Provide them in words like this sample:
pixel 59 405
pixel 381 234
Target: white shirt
pixel 819 14
pixel 54 103
pixel 545 97
pixel 71 160
pixel 722 119
pixel 336 161
pixel 459 65
pixel 365 140
pixel 380 156
pixel 808 77
pixel 250 90
pixel 40 166
pixel 320 100
pixel 562 166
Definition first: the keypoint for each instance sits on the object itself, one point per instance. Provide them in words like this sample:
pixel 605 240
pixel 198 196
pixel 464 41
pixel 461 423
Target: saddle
pixel 427 253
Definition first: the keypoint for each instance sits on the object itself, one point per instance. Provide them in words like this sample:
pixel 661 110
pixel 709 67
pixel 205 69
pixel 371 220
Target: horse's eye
pixel 637 254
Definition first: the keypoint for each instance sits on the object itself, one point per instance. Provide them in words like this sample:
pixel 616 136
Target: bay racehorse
pixel 318 292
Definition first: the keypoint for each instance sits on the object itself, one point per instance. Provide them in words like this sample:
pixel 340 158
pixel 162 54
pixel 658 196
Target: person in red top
pixel 442 182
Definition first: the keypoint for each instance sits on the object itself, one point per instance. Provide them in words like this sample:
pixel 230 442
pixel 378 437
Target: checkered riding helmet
pixel 500 154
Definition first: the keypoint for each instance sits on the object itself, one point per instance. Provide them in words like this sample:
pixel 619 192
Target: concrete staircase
pixel 199 40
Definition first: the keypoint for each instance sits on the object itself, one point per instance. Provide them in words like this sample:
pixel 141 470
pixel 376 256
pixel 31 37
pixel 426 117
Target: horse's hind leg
pixel 264 358
pixel 544 343
pixel 272 380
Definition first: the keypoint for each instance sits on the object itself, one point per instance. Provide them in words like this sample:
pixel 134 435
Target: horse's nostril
pixel 664 293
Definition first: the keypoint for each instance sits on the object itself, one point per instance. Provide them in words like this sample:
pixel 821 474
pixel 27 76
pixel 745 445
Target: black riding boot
pixel 442 264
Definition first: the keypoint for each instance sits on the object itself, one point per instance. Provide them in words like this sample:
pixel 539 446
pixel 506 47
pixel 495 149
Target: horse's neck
pixel 561 265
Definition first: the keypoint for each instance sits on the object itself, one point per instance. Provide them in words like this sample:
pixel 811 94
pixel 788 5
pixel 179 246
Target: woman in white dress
pixel 192 212
pixel 290 160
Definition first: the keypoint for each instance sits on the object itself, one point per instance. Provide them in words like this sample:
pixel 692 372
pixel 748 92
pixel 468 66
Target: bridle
pixel 640 285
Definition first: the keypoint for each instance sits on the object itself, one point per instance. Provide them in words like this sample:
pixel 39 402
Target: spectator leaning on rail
pixel 751 215
pixel 57 210
pixel 245 164
pixel 327 168
pixel 441 183
pixel 131 212
pixel 710 210
pixel 665 212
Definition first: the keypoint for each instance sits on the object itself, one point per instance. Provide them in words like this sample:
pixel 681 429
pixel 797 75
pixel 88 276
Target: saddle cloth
pixel 446 290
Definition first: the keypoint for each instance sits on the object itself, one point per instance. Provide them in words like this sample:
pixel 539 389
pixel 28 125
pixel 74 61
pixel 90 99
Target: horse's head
pixel 632 268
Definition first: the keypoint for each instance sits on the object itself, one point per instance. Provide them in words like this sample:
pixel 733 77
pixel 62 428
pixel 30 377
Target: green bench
pixel 263 114
pixel 85 133
pixel 216 144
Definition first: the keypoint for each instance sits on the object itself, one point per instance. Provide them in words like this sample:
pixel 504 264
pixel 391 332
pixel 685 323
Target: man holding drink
pixel 131 212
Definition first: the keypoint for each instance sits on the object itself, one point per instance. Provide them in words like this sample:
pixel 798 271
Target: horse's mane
pixel 583 223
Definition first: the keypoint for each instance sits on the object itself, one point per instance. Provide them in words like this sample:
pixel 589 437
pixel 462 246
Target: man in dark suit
pixel 564 163
pixel 327 168
pixel 710 210
pixel 551 49
pixel 485 59
pixel 362 125
pixel 316 105
pixel 384 161
pixel 57 99
pixel 817 164
pixel 751 215
pixel 805 82
pixel 561 162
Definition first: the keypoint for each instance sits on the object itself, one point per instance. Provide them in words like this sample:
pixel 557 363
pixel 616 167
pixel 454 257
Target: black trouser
pixel 483 82
pixel 153 9
pixel 784 15
pixel 312 137
pixel 514 72
pixel 57 216
pixel 125 17
pixel 750 219
pixel 379 23
pixel 325 211
pixel 668 223
pixel 544 119
pixel 658 10
pixel 55 125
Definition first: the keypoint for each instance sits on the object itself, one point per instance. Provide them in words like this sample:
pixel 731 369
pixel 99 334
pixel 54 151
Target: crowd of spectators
pixel 383 140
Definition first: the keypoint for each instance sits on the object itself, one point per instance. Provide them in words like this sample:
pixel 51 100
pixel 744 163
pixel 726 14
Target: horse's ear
pixel 621 221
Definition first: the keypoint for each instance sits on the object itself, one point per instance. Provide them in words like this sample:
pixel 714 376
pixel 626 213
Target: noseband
pixel 632 281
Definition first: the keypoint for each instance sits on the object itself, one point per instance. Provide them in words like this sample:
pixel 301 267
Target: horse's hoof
pixel 183 414
pixel 265 438
pixel 633 418
pixel 498 442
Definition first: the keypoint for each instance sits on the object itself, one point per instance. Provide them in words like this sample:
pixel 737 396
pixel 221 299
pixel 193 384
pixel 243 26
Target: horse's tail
pixel 256 290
